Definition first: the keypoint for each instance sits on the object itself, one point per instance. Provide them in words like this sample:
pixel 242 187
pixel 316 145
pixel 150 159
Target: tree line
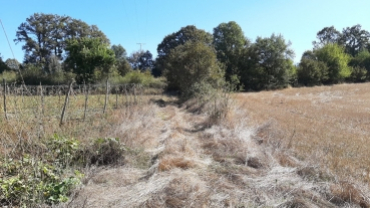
pixel 58 48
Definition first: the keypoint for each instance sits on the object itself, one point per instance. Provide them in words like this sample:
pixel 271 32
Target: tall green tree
pixel 355 39
pixel 87 55
pixel 336 59
pixel 122 63
pixel 267 64
pixel 326 36
pixel 193 68
pixel 229 41
pixel 185 34
pixel 44 35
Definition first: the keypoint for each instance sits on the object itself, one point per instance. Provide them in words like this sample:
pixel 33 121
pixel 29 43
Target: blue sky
pixel 128 22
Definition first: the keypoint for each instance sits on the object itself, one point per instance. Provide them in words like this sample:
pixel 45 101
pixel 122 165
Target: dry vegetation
pixel 267 149
pixel 326 125
pixel 200 157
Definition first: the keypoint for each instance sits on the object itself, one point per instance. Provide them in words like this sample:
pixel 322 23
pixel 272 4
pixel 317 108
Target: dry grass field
pixel 328 125
pixel 229 152
pixel 305 147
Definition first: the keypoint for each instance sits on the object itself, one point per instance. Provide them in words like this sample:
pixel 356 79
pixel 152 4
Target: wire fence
pixel 73 101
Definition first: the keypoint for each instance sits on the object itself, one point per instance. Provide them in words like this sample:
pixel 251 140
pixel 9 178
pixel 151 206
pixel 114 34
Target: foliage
pixel 13 64
pixel 142 78
pixel 328 35
pixel 267 64
pixel 360 63
pixel 192 65
pixel 34 75
pixel 86 55
pixel 335 58
pixel 3 66
pixel 355 39
pixel 141 60
pixel 30 180
pixel 358 74
pixel 310 71
pixel 46 34
pixel 9 76
pixel 123 66
pixel 229 40
pixel 185 34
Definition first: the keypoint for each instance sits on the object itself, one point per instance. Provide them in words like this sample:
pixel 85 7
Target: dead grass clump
pixel 296 203
pixel 254 163
pixel 182 192
pixel 102 151
pixel 314 174
pixel 286 160
pixel 269 133
pixel 346 192
pixel 226 149
pixel 169 163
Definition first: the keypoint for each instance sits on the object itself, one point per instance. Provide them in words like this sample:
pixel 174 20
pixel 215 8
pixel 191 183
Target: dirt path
pixel 193 164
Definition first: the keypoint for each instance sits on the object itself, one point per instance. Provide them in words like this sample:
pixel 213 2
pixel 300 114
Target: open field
pixel 328 125
pixel 242 150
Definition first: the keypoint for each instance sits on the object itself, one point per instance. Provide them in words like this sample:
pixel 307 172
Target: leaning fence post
pixel 6 116
pixel 65 103
pixel 106 96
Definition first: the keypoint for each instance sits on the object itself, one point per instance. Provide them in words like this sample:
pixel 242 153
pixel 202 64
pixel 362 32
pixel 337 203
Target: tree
pixel 145 61
pixel 122 63
pixel 310 71
pixel 141 60
pixel 185 34
pixel 327 35
pixel 53 65
pixel 267 64
pixel 229 40
pixel 87 55
pixel 13 64
pixel 46 34
pixel 3 66
pixel 361 66
pixel 193 68
pixel 119 52
pixel 355 39
pixel 335 58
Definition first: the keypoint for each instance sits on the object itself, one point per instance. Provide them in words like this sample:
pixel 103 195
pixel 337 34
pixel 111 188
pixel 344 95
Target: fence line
pixel 81 101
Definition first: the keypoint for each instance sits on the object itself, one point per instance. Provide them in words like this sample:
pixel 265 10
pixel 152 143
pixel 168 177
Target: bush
pixel 311 72
pixel 33 75
pixel 32 180
pixel 9 76
pixel 193 68
pixel 142 78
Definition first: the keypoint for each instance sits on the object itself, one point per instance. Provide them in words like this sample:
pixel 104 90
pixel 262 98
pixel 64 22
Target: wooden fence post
pixel 42 99
pixel 6 116
pixel 106 96
pixel 65 104
pixel 86 98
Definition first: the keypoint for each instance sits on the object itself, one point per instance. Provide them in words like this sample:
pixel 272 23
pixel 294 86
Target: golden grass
pixel 328 125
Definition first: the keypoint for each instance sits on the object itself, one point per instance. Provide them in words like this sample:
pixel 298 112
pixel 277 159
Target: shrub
pixel 193 68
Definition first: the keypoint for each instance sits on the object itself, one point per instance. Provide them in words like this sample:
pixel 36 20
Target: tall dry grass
pixel 328 125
